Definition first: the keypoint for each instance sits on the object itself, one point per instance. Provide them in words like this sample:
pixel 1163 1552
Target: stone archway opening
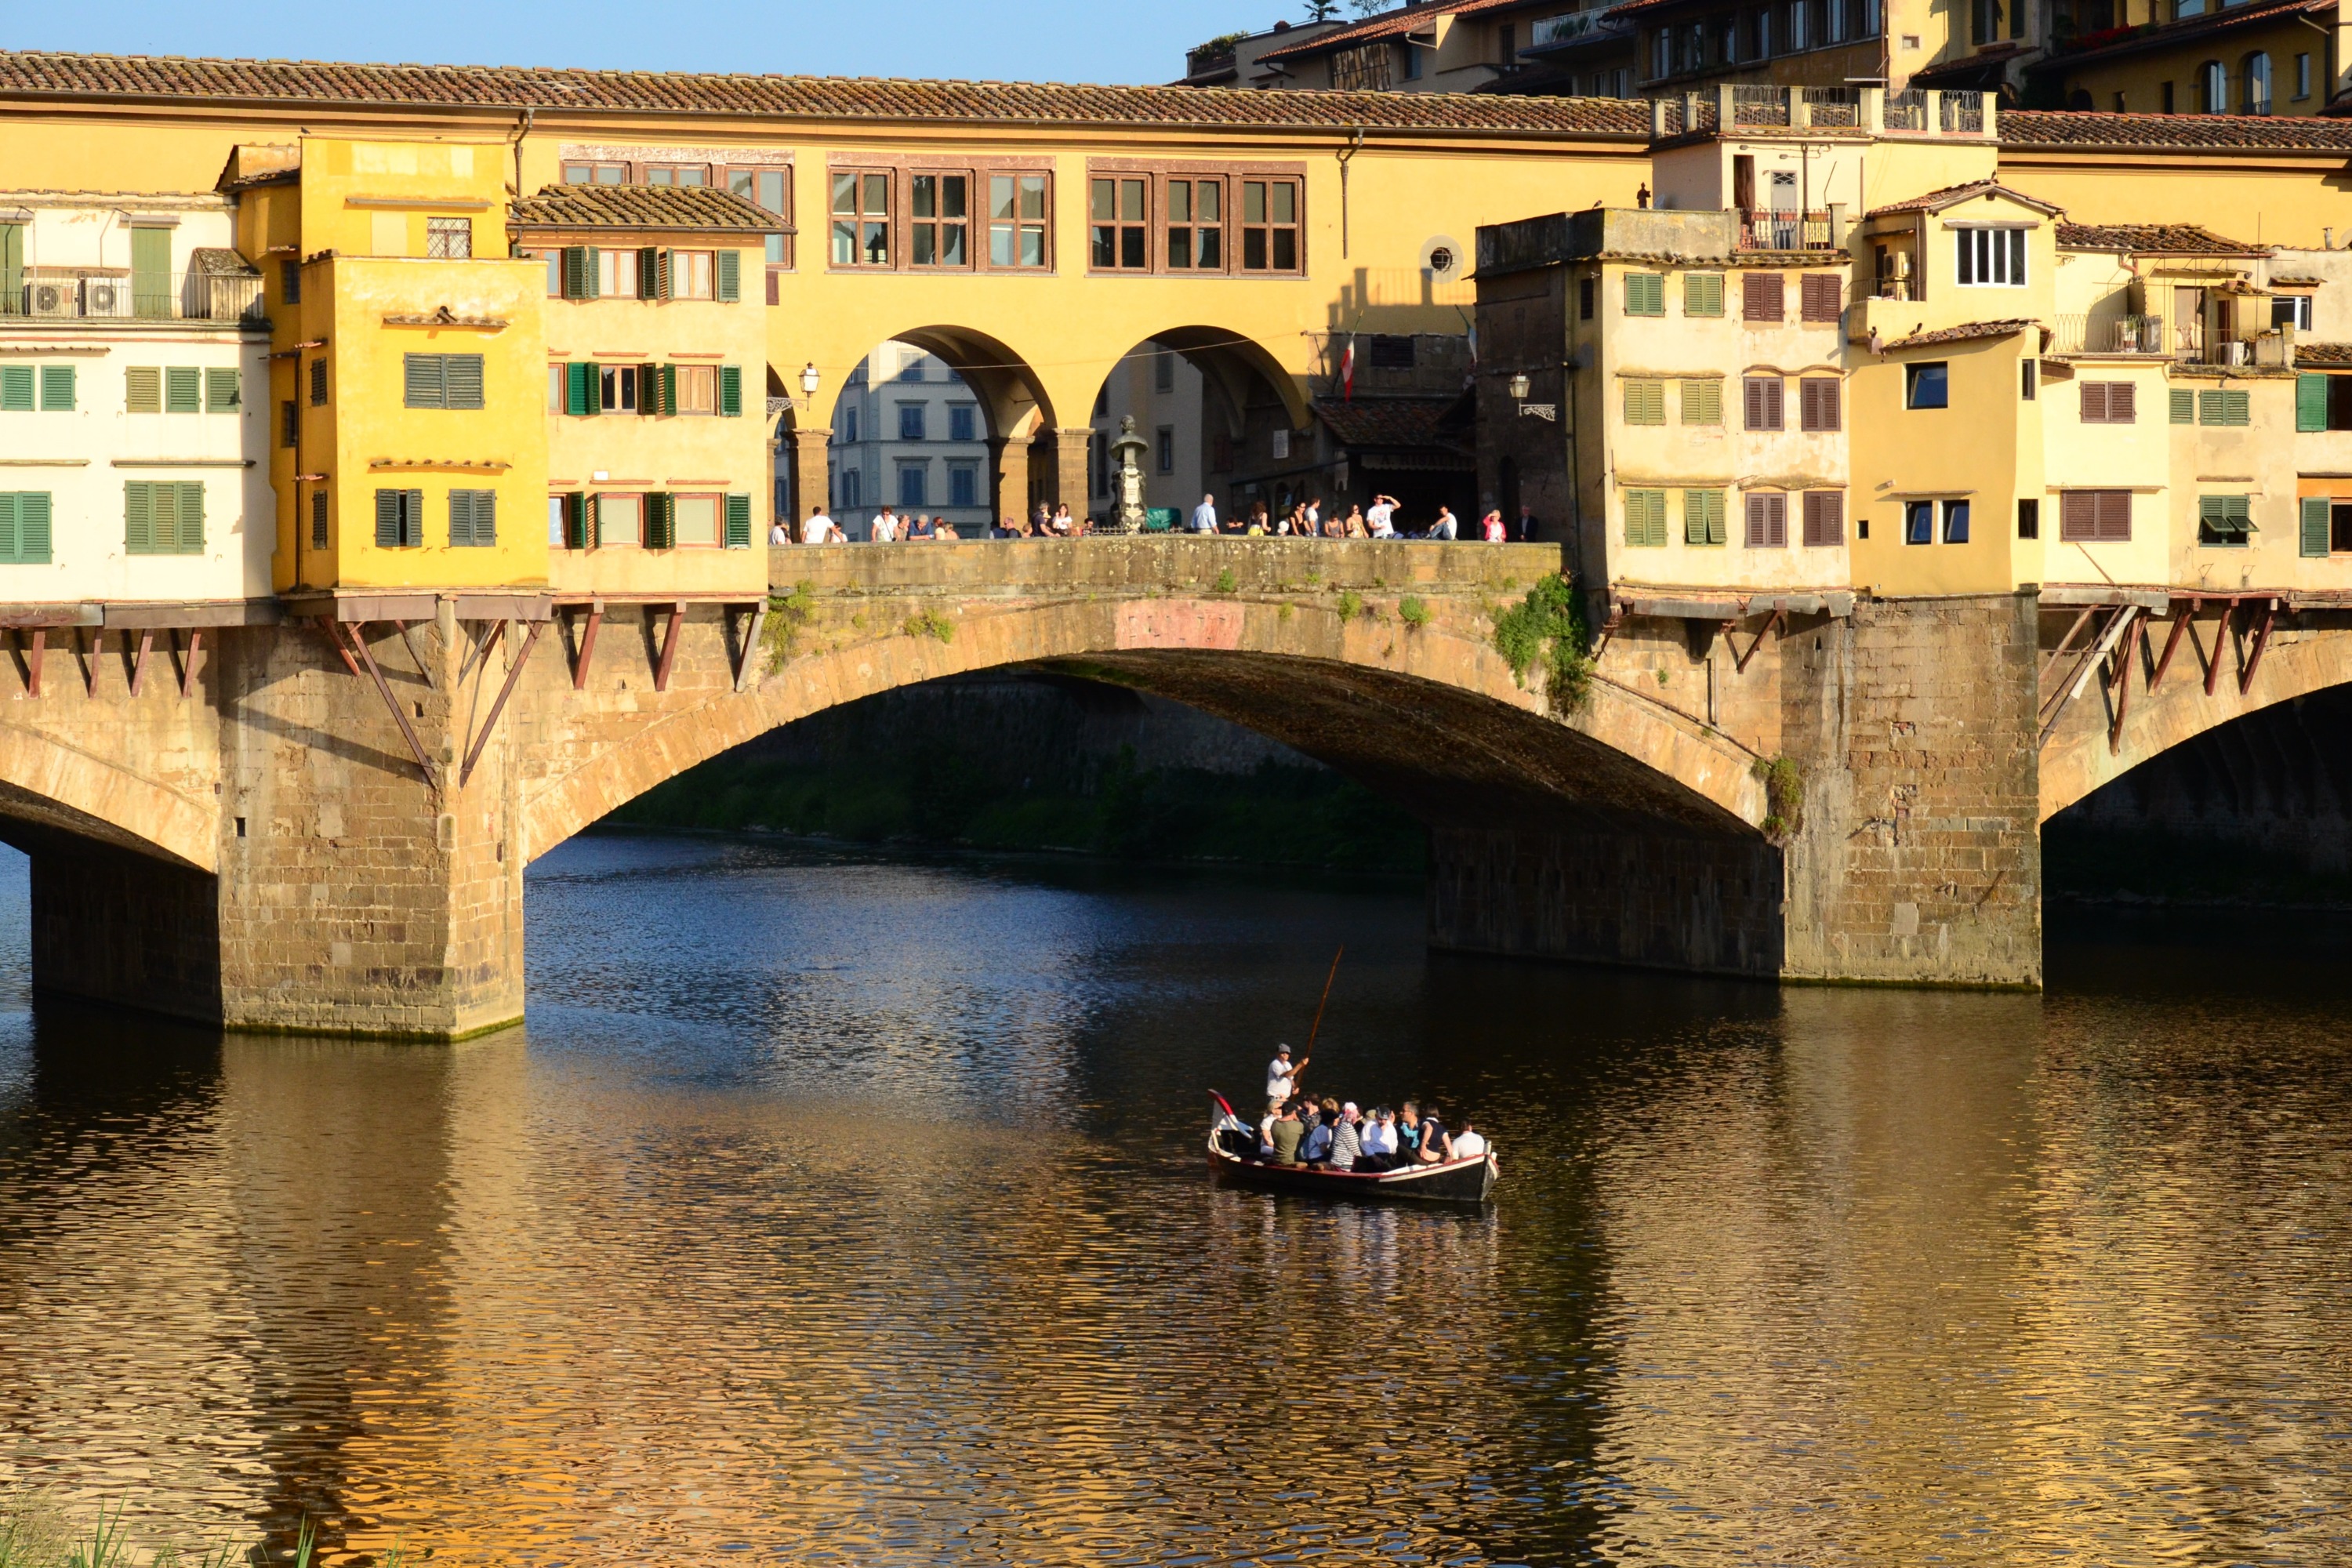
pixel 1218 417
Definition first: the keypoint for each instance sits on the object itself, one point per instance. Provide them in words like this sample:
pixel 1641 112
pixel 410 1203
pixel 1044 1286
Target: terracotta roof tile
pixel 25 74
pixel 1960 334
pixel 644 207
pixel 2184 132
pixel 2323 353
pixel 1952 196
pixel 2153 239
pixel 1387 25
pixel 1390 421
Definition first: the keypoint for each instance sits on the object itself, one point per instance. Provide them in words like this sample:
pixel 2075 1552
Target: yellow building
pixel 2166 56
pixel 655 386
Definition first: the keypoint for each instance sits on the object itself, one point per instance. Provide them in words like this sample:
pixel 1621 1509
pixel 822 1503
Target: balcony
pixel 1787 230
pixel 206 293
pixel 2113 335
pixel 2186 343
pixel 1759 106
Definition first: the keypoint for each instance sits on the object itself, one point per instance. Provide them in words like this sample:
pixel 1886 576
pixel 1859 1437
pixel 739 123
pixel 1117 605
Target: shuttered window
pixel 442 381
pixel 15 388
pixel 25 528
pixel 1761 298
pixel 1768 520
pixel 1703 516
pixel 183 389
pixel 1645 403
pixel 58 388
pixel 2310 402
pixel 399 520
pixel 318 381
pixel 2223 408
pixel 2095 516
pixel 163 517
pixel 318 520
pixel 1825 518
pixel 2223 521
pixel 1817 402
pixel 579 270
pixel 731 275
pixel 731 387
pixel 1820 299
pixel 1702 402
pixel 1763 397
pixel 222 390
pixel 2315 525
pixel 1646 518
pixel 739 522
pixel 143 389
pixel 661 520
pixel 2110 403
pixel 1645 293
pixel 289 423
pixel 1702 294
pixel 2184 405
pixel 473 518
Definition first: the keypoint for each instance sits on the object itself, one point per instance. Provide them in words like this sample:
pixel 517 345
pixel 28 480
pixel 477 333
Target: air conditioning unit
pixel 1899 263
pixel 106 297
pixel 51 293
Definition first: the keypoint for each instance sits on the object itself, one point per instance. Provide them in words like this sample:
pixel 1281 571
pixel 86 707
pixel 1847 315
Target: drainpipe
pixel 1355 145
pixel 522 129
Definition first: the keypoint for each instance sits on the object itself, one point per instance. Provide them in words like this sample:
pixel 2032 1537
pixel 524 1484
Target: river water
pixel 842 1209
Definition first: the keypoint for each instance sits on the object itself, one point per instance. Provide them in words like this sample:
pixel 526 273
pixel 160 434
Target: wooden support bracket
pixel 751 650
pixel 1740 660
pixel 2172 640
pixel 2117 624
pixel 480 648
pixel 139 662
pixel 668 656
pixel 2126 659
pixel 522 657
pixel 40 646
pixel 327 624
pixel 587 648
pixel 194 660
pixel 89 664
pixel 2261 641
pixel 2220 638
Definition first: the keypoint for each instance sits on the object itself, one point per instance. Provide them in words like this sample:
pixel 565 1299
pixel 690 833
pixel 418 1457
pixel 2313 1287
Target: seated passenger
pixel 1317 1148
pixel 1288 1131
pixel 1378 1140
pixel 1409 1134
pixel 1347 1141
pixel 1436 1148
pixel 1467 1145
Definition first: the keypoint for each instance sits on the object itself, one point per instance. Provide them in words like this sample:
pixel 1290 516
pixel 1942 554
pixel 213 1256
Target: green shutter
pixel 461 381
pixel 579 272
pixel 2315 512
pixel 668 379
pixel 191 518
pixel 580 388
pixel 16 388
pixel 183 389
pixel 575 521
pixel 739 522
pixel 728 276
pixel 57 387
pixel 1703 516
pixel 485 517
pixel 2184 405
pixel 151 271
pixel 731 382
pixel 2236 408
pixel 461 519
pixel 388 519
pixel 1645 294
pixel 2310 403
pixel 412 518
pixel 1702 293
pixel 138 518
pixel 163 518
pixel 10 504
pixel 658 524
pixel 473 518
pixel 143 389
pixel 221 390
pixel 33 527
pixel 649 263
pixel 421 385
pixel 1646 518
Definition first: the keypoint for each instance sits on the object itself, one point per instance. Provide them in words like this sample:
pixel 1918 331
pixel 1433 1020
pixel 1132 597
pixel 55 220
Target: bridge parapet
pixel 1169 563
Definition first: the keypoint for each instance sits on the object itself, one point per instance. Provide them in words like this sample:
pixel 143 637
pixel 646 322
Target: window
pixel 1919 522
pixel 2301 76
pixel 473 518
pixel 963 422
pixel 1702 294
pixel 449 238
pixel 1645 293
pixel 560 510
pixel 1761 298
pixel 399 520
pixel 677 173
pixel 2213 88
pixel 851 495
pixel 1825 518
pixel 1818 400
pixel 1016 220
pixel 620 521
pixel 25 528
pixel 1167 448
pixel 1768 520
pixel 1991 257
pixel 1762 397
pixel 850 426
pixel 2029 379
pixel 1645 519
pixel 913 484
pixel 1585 292
pixel 941 226
pixel 318 519
pixel 689 389
pixel 2223 408
pixel 1270 225
pixel 912 370
pixel 2109 403
pixel 1411 62
pixel 1507 44
pixel 1163 370
pixel 1116 213
pixel 963 484
pixel 2094 517
pixel 595 173
pixel 182 389
pixel 2323 402
pixel 2291 309
pixel 143 388
pixel 223 390
pixel 1821 300
pixel 1645 403
pixel 1926 385
pixel 57 388
pixel 2184 405
pixel 2255 91
pixel 1703 516
pixel 442 381
pixel 1955 523
pixel 16 388
pixel 2223 521
pixel 289 282
pixel 683 274
pixel 771 189
pixel 616 389
pixel 694 520
pixel 2029 518
pixel 621 274
pixel 913 421
pixel 1195 209
pixel 861 219
pixel 289 423
pixel 1701 400
pixel 730 390
pixel 2164 98
pixel 163 518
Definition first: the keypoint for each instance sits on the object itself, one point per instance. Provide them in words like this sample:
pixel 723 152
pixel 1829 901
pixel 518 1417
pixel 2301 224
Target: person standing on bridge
pixel 819 528
pixel 884 528
pixel 1526 525
pixel 1381 517
pixel 1490 527
pixel 1204 516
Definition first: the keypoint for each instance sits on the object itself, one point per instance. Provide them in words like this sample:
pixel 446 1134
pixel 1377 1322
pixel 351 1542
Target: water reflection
pixel 844 1211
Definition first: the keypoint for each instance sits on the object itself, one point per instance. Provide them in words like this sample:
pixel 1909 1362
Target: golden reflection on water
pixel 846 1249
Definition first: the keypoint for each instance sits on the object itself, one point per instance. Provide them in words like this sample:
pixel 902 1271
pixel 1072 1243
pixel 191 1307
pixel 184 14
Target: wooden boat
pixel 1232 1157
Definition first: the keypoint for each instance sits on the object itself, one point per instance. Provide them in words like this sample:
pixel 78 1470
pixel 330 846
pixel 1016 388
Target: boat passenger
pixel 1467 1143
pixel 1436 1146
pixel 1288 1131
pixel 1347 1139
pixel 1379 1140
pixel 1317 1147
pixel 1408 1134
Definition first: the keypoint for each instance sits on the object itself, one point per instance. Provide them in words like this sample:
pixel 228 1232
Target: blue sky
pixel 1038 40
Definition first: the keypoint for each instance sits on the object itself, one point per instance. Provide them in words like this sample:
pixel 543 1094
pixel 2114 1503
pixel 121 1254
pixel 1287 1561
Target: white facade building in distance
pixel 907 431
pixel 1162 390
pixel 133 376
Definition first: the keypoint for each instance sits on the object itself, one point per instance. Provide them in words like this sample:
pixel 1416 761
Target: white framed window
pixel 1991 257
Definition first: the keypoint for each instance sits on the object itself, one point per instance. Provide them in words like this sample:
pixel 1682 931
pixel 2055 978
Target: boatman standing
pixel 1280 1078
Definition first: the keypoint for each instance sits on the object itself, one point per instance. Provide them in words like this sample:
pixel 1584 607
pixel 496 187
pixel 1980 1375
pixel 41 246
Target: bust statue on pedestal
pixel 1126 510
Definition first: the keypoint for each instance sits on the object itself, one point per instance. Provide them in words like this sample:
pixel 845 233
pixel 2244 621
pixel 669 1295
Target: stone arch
pixel 49 786
pixel 1230 359
pixel 1009 387
pixel 1436 723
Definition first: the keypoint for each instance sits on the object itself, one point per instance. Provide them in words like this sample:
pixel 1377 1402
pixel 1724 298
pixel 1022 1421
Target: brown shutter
pixel 2114 514
pixel 2077 514
pixel 1821 297
pixel 1752 391
pixel 1824 517
pixel 2122 397
pixel 1760 298
pixel 1768 520
pixel 2094 403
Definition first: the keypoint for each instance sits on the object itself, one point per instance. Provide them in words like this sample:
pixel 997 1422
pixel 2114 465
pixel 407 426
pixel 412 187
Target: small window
pixel 595 173
pixel 1825 518
pixel 1819 402
pixel 694 520
pixel 442 381
pixel 963 484
pixel 939 220
pixel 771 189
pixel 2093 517
pixel 1645 403
pixel 183 389
pixel 399 520
pixel 1702 400
pixel 913 422
pixel 559 535
pixel 2301 76
pixel 677 173
pixel 1762 397
pixel 318 519
pixel 616 389
pixel 620 274
pixel 1117 214
pixel 620 521
pixel 2323 402
pixel 1270 225
pixel 289 282
pixel 914 485
pixel 17 389
pixel 2223 408
pixel 317 382
pixel 1645 519
pixel 1991 257
pixel 142 388
pixel 1163 371
pixel 963 423
pixel 289 423
pixel 685 274
pixel 473 518
pixel 223 393
pixel 1919 522
pixel 1585 292
pixel 1017 221
pixel 1702 294
pixel 1955 523
pixel 2291 310
pixel 1645 293
pixel 2110 403
pixel 690 389
pixel 1823 300
pixel 2029 379
pixel 165 518
pixel 861 219
pixel 1195 215
pixel 449 238
pixel 1762 298
pixel 1768 520
pixel 1926 385
pixel 1703 516
pixel 24 527
pixel 2223 521
pixel 1167 450
pixel 2029 518
pixel 1391 351
pixel 2183 403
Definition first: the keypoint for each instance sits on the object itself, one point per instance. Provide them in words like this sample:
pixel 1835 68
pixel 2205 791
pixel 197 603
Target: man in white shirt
pixel 1204 516
pixel 818 529
pixel 1467 1143
pixel 1280 1078
pixel 1382 515
pixel 884 528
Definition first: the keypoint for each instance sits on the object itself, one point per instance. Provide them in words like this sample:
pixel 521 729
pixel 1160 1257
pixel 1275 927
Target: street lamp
pixel 1520 389
pixel 809 381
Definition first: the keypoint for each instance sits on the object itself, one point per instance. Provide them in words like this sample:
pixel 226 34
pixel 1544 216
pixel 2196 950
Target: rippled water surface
pixel 849 1210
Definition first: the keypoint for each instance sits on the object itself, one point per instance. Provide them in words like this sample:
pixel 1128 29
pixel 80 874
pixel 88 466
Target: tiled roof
pixel 25 74
pixel 1387 25
pixel 218 261
pixel 1961 334
pixel 1389 421
pixel 2114 42
pixel 644 207
pixel 2323 353
pixel 2027 128
pixel 1952 196
pixel 2153 239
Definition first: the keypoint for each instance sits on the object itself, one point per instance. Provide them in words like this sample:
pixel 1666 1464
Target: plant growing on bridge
pixel 787 613
pixel 1226 582
pixel 1413 610
pixel 1350 606
pixel 1784 797
pixel 1549 625
pixel 929 623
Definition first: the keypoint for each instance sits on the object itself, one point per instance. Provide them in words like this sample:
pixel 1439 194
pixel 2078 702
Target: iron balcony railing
pixel 1907 110
pixel 1786 230
pixel 1961 113
pixel 67 293
pixel 2111 336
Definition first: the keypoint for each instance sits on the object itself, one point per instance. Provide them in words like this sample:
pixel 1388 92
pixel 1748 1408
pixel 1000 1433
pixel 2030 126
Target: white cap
pixel 1281 1050
pixel 1348 1109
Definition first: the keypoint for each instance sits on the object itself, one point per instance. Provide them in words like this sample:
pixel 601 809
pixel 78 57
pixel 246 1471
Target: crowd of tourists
pixel 1307 519
pixel 1335 1135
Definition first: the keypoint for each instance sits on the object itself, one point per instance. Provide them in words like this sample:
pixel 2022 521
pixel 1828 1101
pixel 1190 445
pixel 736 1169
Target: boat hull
pixel 1470 1180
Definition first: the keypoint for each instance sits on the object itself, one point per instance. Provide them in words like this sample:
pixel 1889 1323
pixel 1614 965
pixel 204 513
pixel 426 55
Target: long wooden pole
pixel 1319 1007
